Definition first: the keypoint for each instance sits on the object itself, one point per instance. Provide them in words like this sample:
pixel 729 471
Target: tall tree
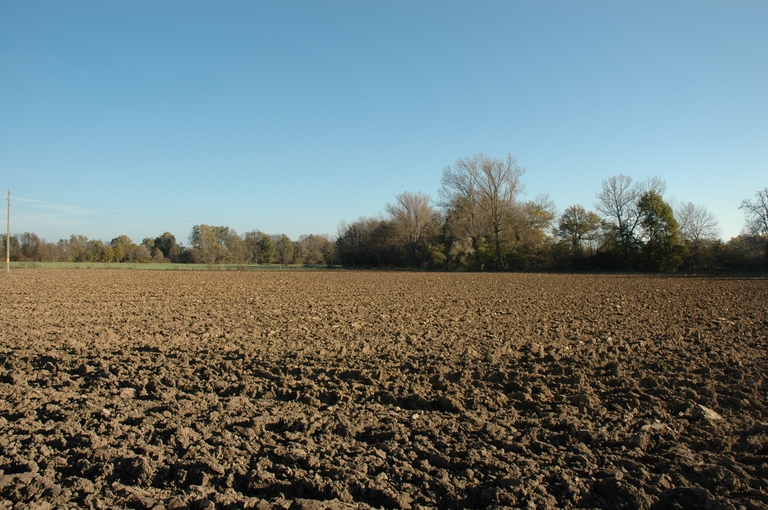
pixel 659 233
pixel 251 241
pixel 756 218
pixel 350 242
pixel 148 243
pixel 165 243
pixel 223 234
pixel 577 225
pixel 266 249
pixel 284 249
pixel 62 251
pixel 696 223
pixel 412 216
pixel 480 193
pixel 143 254
pixel 123 248
pixel 204 242
pixel 535 218
pixel 31 247
pixel 211 244
pixel 617 203
pixel 368 242
pixel 315 249
pixel 237 250
pixel 97 252
pixel 699 232
pixel 15 248
pixel 78 248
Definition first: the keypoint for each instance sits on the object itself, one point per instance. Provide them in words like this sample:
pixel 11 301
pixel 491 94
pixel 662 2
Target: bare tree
pixel 756 218
pixel 696 223
pixel 460 196
pixel 412 216
pixel 480 194
pixel 617 203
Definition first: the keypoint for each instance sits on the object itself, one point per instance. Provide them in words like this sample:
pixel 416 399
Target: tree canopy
pixel 478 223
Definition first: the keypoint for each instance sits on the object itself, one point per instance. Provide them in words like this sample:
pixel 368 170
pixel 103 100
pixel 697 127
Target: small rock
pixel 618 474
pixel 440 384
pixel 706 413
pixel 403 501
pixel 653 427
pixel 84 369
pixel 612 369
pixel 583 436
pixel 580 400
pixel 521 396
pixel 449 404
pixel 15 377
pixel 640 440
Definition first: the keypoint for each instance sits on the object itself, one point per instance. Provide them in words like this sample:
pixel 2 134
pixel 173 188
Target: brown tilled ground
pixel 355 390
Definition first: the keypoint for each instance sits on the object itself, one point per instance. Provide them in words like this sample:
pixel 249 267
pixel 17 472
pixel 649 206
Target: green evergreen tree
pixel 662 248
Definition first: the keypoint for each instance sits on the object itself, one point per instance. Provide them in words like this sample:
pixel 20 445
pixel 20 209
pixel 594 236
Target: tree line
pixel 208 245
pixel 478 222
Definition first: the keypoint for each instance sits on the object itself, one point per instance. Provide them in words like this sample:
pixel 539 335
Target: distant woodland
pixel 477 222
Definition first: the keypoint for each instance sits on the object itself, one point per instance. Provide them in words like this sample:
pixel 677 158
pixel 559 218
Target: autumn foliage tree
pixel 479 223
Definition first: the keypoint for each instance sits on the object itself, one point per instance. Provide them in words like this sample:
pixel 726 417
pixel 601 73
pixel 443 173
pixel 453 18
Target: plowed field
pixel 396 390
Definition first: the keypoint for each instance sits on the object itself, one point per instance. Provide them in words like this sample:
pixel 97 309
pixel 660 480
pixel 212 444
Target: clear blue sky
pixel 137 117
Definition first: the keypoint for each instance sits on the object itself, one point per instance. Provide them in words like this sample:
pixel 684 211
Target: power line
pixel 134 217
pixel 133 213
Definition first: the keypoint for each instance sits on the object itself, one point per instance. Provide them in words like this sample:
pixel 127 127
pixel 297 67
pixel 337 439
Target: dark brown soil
pixel 355 390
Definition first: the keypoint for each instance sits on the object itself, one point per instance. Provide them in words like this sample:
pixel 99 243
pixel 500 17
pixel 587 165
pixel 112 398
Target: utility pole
pixel 8 237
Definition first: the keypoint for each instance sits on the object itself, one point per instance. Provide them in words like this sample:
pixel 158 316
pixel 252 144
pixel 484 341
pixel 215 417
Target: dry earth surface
pixel 361 389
